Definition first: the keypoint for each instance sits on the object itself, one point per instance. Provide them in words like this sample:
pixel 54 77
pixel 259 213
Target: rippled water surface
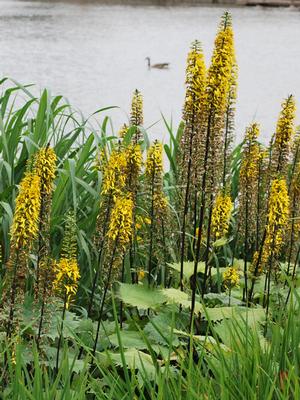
pixel 95 55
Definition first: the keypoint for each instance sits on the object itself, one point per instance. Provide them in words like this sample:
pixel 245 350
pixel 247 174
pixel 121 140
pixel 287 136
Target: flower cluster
pixel 219 73
pixel 45 167
pixel 137 117
pixel 218 86
pixel 120 227
pixel 251 153
pixel 278 215
pixel 66 269
pixel 195 82
pixel 133 155
pixel 154 163
pixel 221 214
pixel 277 221
pixel 24 229
pixel 249 185
pixel 114 175
pixel 284 133
pixel 66 278
pixel 231 278
pixel 192 113
pixel 122 132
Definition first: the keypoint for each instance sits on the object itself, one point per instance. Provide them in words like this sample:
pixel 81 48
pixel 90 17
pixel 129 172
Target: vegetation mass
pixel 120 280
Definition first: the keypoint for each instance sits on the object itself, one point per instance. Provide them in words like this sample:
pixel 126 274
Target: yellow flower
pixel 45 167
pixel 251 155
pixel 285 124
pixel 137 109
pixel 66 278
pixel 133 154
pixel 231 278
pixel 195 82
pixel 122 132
pixel 221 215
pixel 24 228
pixel 216 100
pixel 141 274
pixel 277 223
pixel 220 71
pixel 120 227
pixel 154 163
pixel 278 214
pixel 160 202
pixel 284 133
pixel 114 176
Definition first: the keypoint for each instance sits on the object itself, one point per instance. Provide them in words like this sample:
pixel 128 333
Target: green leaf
pixel 141 296
pixel 136 359
pixel 220 242
pixel 198 307
pixel 175 296
pixel 159 329
pixel 129 339
pixel 219 313
pixel 252 315
pixel 188 268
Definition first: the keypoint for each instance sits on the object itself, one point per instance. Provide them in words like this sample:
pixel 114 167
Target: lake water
pixel 94 54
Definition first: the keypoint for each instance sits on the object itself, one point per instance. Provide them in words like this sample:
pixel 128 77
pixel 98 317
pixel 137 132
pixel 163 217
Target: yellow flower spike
pixel 231 278
pixel 121 222
pixel 278 215
pixel 122 132
pixel 250 181
pixel 283 137
pixel 277 222
pixel 220 72
pixel 141 274
pixel 45 167
pixel 154 163
pixel 67 277
pixel 24 228
pixel 137 117
pixel 251 155
pixel 221 215
pixel 195 81
pixel 133 154
pixel 114 175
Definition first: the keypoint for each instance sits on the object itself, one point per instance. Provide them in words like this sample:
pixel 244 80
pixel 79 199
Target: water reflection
pixel 95 54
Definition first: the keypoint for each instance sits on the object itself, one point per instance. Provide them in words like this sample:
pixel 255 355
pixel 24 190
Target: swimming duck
pixel 157 66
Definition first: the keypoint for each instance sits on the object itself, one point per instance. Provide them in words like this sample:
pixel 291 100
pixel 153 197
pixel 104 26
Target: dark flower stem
pixel 96 276
pixel 201 218
pixel 12 298
pixel 104 295
pixel 151 229
pixel 61 331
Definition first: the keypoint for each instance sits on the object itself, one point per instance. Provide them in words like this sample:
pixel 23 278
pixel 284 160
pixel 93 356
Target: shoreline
pixel 187 3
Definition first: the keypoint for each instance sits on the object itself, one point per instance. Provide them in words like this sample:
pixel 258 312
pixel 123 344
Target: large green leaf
pixel 188 268
pixel 135 359
pixel 129 339
pixel 252 315
pixel 175 295
pixel 141 296
pixel 160 329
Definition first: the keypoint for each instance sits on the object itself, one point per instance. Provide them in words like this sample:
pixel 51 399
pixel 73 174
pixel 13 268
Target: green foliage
pixel 146 349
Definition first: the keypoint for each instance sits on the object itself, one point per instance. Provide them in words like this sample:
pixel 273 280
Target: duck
pixel 157 66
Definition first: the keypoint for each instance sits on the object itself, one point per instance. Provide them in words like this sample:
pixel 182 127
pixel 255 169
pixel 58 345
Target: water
pixel 94 55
